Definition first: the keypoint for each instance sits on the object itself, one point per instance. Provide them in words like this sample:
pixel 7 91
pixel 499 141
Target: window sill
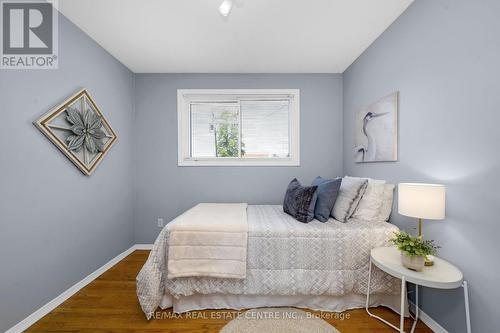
pixel 279 162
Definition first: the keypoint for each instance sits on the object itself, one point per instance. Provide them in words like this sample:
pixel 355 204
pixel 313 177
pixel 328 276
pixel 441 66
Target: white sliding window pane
pixel 265 129
pixel 215 130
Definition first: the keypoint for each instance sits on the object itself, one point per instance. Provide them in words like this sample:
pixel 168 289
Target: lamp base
pixel 429 261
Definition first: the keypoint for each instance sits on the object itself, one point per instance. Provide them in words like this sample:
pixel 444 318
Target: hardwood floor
pixel 109 304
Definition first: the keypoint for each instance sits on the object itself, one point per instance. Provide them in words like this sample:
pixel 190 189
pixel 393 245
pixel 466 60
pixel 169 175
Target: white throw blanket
pixel 209 240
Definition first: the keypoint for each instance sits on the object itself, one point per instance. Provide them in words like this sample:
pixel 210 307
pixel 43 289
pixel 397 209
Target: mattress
pixel 285 258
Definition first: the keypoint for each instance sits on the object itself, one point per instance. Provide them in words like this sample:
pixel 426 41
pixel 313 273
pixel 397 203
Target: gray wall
pixel 164 189
pixel 443 57
pixel 57 225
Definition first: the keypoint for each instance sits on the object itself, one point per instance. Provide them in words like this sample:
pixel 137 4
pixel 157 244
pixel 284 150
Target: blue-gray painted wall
pixel 166 190
pixel 443 56
pixel 57 225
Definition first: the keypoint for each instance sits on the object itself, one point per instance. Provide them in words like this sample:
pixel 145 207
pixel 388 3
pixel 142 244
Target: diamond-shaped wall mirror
pixel 78 128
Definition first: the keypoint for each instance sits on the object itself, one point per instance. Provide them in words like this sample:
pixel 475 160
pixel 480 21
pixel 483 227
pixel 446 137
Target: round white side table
pixel 442 275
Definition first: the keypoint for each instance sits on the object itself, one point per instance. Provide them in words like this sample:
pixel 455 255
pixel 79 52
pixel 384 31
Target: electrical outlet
pixel 160 222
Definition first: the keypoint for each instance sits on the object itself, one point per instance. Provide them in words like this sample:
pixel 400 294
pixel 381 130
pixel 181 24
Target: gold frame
pixel 42 125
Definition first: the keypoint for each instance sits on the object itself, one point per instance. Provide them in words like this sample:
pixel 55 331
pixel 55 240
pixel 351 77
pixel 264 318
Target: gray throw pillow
pixel 300 201
pixel 351 191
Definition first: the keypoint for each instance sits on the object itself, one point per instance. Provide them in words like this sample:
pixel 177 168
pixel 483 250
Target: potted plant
pixel 413 250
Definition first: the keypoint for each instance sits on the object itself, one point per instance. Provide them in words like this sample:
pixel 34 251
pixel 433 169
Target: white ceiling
pixel 259 36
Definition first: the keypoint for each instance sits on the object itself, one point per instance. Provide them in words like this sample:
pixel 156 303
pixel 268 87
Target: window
pixel 238 127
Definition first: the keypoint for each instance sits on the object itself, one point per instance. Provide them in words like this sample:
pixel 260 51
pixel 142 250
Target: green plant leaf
pixel 413 246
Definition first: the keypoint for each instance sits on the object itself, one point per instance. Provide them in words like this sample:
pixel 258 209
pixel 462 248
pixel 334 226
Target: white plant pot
pixel 415 263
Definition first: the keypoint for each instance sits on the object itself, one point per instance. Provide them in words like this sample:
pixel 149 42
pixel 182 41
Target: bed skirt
pixel 238 302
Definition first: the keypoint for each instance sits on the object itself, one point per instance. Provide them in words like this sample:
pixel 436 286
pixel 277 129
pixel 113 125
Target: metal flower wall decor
pixel 78 128
pixel 86 128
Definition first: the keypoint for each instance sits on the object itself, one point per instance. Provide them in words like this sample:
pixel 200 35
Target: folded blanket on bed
pixel 209 240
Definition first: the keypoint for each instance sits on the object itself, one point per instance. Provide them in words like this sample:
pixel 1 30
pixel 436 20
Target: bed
pixel 321 266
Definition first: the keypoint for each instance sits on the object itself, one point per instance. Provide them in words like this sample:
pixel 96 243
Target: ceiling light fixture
pixel 225 7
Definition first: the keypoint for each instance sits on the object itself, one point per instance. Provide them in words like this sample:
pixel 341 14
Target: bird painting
pixel 376 131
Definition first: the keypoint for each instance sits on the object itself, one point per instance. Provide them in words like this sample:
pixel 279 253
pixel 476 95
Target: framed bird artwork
pixel 376 131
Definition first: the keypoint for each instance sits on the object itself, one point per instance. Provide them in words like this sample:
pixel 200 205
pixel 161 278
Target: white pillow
pixel 386 208
pixel 371 202
pixel 351 191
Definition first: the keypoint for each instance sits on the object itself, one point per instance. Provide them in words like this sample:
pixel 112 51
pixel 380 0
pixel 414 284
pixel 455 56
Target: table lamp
pixel 422 201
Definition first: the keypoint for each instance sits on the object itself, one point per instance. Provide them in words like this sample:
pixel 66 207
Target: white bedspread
pixel 209 240
pixel 284 257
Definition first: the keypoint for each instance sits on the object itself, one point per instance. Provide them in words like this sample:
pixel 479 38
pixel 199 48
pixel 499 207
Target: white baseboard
pixel 427 320
pixel 38 314
pixel 143 246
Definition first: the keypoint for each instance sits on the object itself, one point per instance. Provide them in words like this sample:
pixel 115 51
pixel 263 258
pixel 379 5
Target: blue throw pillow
pixel 328 190
pixel 300 201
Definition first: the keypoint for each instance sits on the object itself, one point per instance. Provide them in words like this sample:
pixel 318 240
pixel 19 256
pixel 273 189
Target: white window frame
pixel 187 96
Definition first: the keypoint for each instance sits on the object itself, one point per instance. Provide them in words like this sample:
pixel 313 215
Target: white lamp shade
pixel 425 201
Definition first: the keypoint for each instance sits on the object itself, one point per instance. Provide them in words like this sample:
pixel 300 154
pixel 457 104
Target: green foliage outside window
pixel 227 135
